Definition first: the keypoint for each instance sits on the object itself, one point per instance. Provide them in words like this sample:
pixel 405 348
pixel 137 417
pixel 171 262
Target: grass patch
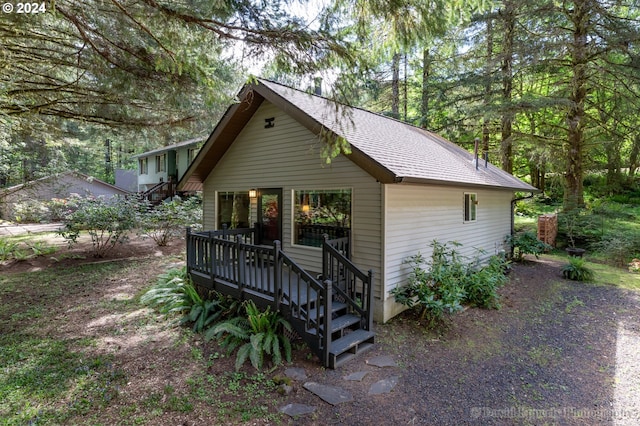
pixel 43 380
pixel 607 274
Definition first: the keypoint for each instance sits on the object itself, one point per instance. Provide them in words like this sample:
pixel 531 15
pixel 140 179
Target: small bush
pixel 108 221
pixel 526 243
pixel 449 281
pixel 577 270
pixel 30 211
pixel 169 220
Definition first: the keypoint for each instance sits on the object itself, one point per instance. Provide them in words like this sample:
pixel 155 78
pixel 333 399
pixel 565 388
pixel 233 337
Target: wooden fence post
pixel 277 274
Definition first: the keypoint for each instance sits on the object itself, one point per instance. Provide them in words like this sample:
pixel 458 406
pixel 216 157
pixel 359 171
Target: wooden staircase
pixel 331 312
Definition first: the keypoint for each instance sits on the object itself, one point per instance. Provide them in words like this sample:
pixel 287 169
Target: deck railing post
pixel 369 295
pixel 277 274
pixel 240 263
pixel 189 250
pixel 326 335
pixel 325 257
pixel 210 249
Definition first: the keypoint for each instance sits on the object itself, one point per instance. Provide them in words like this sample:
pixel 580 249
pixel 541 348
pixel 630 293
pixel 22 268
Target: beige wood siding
pixel 287 156
pixel 417 215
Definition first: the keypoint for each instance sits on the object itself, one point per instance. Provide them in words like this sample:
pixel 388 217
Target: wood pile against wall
pixel 548 228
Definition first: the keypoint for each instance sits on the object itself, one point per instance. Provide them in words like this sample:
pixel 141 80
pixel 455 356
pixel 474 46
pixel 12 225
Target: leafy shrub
pixel 577 270
pixel 169 220
pixel 108 221
pixel 450 281
pixel 482 285
pixel 256 334
pixel 174 294
pixel 526 243
pixel 618 247
pixel 30 211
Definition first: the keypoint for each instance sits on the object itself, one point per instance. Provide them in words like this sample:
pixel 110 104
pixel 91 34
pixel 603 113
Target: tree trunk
pixel 395 86
pixel 634 156
pixel 506 145
pixel 486 134
pixel 574 190
pixel 424 105
pixel 404 89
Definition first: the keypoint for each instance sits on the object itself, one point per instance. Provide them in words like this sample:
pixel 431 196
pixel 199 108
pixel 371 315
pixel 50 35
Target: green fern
pixel 255 335
pixel 577 270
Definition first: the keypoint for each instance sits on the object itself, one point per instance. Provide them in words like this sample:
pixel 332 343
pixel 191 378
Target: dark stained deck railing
pixel 227 261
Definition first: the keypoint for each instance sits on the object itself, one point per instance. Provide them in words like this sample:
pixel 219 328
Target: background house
pixel 399 188
pixel 19 199
pixel 166 164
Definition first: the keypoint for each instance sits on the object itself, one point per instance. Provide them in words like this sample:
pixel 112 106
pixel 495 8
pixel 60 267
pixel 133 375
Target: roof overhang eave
pixel 420 181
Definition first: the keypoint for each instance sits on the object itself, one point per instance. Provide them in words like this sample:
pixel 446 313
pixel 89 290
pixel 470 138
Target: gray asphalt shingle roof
pixel 408 152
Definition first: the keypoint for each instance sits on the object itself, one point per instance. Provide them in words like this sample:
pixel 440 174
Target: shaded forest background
pixel 549 89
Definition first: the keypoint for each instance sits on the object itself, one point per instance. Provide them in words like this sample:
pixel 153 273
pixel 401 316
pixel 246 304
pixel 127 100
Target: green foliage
pixel 30 211
pixel 526 243
pixel 107 220
pixel 12 250
pixel 169 220
pixel 174 294
pixel 577 270
pixel 256 334
pixel 450 281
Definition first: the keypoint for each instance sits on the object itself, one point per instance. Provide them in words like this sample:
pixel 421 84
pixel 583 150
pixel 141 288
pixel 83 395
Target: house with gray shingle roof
pixel 395 190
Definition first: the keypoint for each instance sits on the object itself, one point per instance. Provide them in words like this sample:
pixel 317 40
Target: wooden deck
pixel 230 262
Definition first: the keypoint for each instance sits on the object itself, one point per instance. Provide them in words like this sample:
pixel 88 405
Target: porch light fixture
pixel 253 193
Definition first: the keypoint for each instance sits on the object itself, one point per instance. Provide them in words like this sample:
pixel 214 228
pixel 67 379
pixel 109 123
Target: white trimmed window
pixel 143 166
pixel 161 163
pixel 319 212
pixel 470 206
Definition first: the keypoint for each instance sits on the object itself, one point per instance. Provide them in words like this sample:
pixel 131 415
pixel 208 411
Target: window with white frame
pixel 191 154
pixel 319 212
pixel 470 206
pixel 161 163
pixel 143 166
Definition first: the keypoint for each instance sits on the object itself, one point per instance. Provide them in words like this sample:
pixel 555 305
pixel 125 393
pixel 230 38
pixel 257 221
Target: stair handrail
pixel 349 269
pixel 321 321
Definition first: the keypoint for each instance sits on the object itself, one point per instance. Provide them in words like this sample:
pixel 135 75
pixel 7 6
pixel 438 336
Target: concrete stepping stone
pixel 384 386
pixel 296 373
pixel 382 361
pixel 356 377
pixel 331 394
pixel 295 410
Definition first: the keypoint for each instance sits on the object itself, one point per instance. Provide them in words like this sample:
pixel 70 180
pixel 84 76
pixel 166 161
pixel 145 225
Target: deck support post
pixel 277 274
pixel 370 302
pixel 327 297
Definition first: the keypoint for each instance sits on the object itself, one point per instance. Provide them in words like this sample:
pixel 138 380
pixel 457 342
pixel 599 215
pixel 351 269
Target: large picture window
pixel 233 210
pixel 470 206
pixel 318 212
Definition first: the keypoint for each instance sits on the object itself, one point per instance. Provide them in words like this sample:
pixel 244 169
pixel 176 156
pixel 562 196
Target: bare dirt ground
pixel 557 352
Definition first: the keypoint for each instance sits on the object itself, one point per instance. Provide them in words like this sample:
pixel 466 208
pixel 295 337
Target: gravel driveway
pixel 557 352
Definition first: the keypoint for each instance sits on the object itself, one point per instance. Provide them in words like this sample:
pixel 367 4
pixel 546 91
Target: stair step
pixel 349 345
pixel 335 307
pixel 339 323
pixel 343 322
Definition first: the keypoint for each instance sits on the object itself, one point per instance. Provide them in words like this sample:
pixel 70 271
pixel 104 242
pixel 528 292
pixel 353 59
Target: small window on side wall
pixel 470 206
